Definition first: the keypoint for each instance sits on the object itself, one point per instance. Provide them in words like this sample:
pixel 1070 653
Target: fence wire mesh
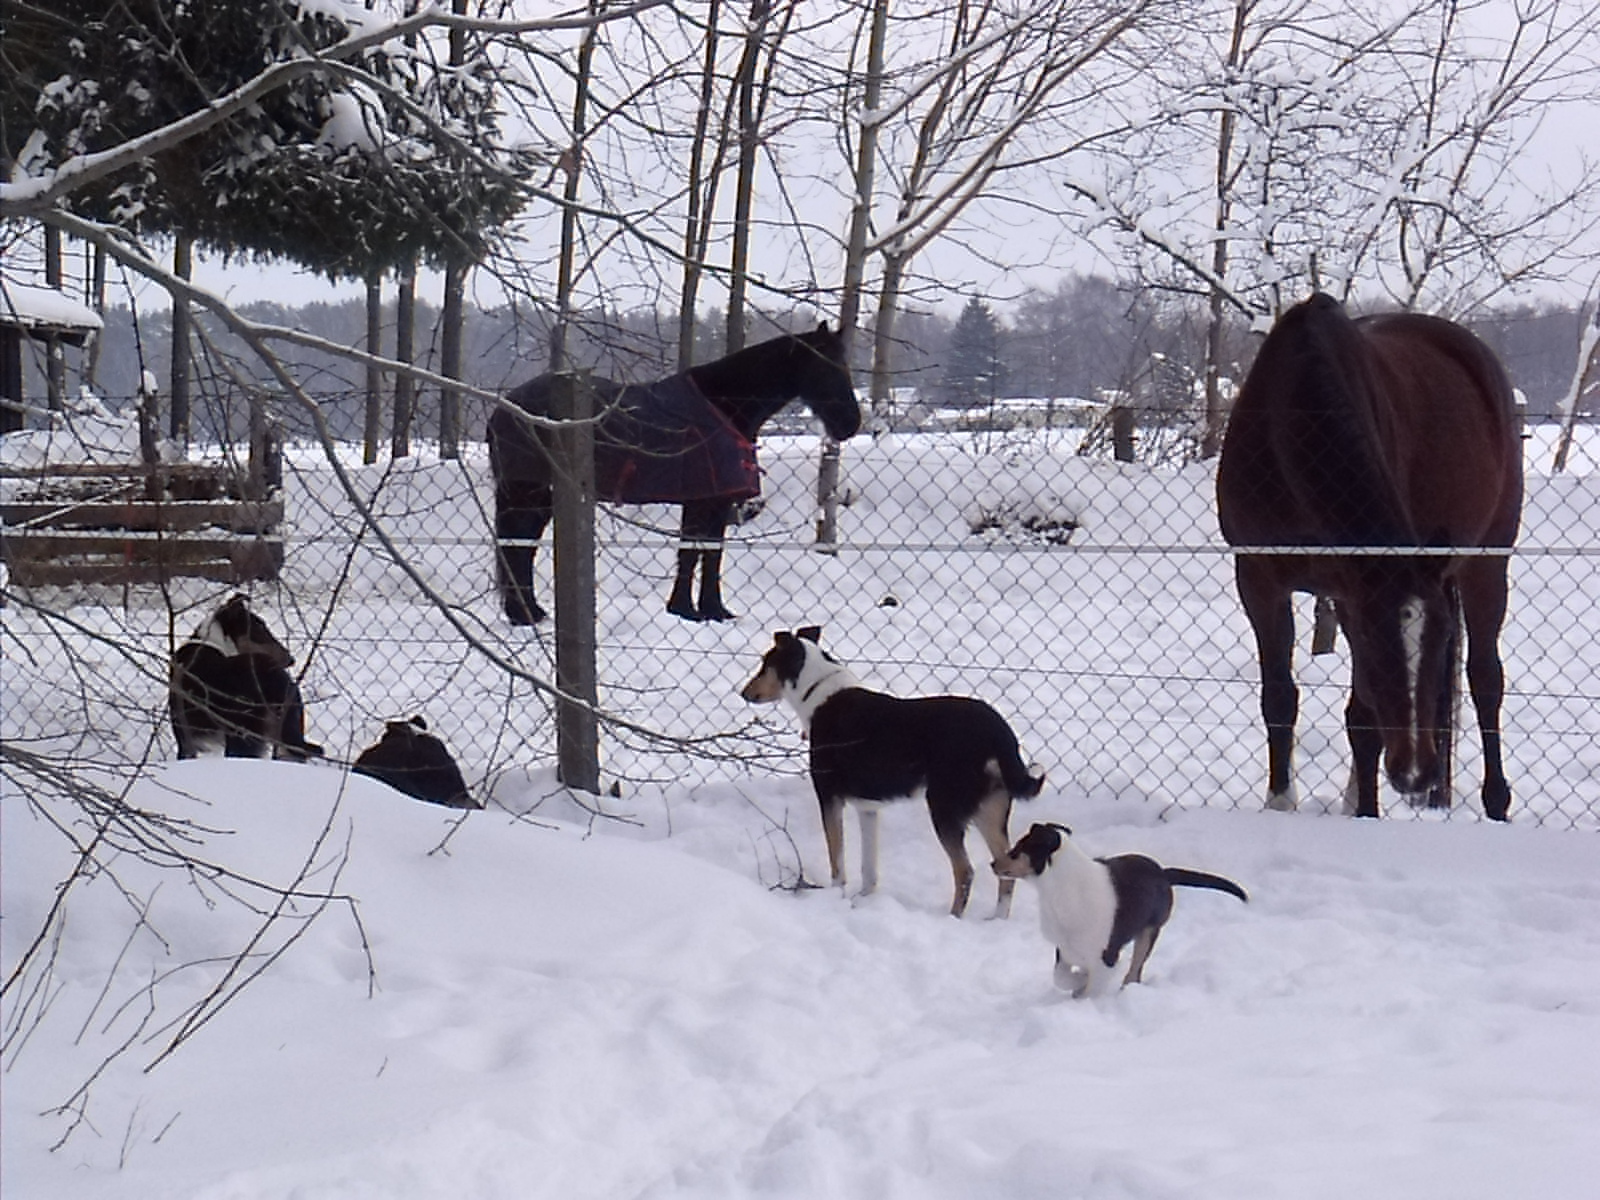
pixel 1090 600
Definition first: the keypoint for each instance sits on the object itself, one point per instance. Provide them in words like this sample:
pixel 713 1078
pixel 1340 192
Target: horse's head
pixel 1402 635
pixel 824 381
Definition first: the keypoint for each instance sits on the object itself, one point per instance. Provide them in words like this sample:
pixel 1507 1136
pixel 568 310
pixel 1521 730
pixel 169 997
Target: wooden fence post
pixel 572 558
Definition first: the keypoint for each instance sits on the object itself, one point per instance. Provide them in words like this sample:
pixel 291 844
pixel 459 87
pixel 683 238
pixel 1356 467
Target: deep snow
pixel 574 1008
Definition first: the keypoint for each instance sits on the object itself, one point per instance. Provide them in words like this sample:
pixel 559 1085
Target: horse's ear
pixel 811 633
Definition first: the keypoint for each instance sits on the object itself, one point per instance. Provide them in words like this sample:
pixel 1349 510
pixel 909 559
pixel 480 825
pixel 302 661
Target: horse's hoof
pixel 1497 802
pixel 525 615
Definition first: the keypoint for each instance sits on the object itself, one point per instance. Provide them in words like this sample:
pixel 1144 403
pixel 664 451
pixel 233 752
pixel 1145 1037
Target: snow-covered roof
pixel 26 306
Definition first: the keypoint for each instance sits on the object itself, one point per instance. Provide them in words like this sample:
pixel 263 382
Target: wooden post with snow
pixel 572 558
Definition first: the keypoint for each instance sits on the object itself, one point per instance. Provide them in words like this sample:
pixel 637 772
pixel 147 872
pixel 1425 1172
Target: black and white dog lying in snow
pixel 411 760
pixel 868 748
pixel 230 690
pixel 1090 908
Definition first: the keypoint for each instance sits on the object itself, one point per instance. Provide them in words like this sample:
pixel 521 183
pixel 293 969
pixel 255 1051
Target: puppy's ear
pixel 811 633
pixel 419 722
pixel 782 637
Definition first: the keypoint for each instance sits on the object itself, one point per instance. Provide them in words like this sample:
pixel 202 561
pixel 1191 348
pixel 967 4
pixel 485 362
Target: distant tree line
pixel 1086 339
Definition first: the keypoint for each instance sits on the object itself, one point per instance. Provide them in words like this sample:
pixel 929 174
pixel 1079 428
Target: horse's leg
pixel 681 602
pixel 711 606
pixel 701 535
pixel 521 511
pixel 1366 748
pixel 1482 584
pixel 1272 618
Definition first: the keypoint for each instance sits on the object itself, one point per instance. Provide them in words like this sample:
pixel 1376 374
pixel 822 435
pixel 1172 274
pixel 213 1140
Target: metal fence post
pixel 572 541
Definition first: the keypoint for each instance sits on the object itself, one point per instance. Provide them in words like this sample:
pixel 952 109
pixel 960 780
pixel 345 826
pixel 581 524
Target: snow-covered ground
pixel 539 1002
pixel 549 1008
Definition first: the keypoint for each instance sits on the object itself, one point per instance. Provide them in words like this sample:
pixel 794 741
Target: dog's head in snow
pixel 1034 851
pixel 797 669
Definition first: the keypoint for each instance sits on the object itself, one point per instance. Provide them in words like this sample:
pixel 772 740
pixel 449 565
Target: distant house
pixel 47 316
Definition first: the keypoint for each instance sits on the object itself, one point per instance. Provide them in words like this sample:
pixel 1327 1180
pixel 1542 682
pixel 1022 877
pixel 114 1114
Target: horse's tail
pixel 1450 700
pixel 1183 877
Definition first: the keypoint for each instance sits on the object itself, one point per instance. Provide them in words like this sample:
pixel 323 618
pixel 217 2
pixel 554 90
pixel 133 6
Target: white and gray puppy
pixel 1090 908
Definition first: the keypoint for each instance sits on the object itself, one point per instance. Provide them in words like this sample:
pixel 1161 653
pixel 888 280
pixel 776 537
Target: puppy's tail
pixel 1181 877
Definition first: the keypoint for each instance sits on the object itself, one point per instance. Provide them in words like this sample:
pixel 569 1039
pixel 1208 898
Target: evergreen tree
pixel 973 371
pixel 390 157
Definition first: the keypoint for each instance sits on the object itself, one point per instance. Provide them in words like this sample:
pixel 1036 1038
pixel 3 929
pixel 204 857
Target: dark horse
pixel 689 438
pixel 1393 430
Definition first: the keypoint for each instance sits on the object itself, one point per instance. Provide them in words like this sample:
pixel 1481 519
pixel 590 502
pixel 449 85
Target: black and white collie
pixel 869 748
pixel 1090 908
pixel 230 690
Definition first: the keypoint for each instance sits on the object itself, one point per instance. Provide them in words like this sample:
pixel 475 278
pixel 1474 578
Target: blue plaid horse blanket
pixel 664 442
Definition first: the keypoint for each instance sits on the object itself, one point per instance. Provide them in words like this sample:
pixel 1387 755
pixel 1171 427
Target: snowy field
pixel 543 1002
pixel 550 1008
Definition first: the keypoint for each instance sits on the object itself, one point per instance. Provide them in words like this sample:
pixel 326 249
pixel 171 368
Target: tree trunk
pixel 1588 353
pixel 455 285
pixel 55 354
pixel 182 322
pixel 405 329
pixel 855 261
pixel 745 183
pixel 702 193
pixel 97 301
pixel 453 318
pixel 572 160
pixel 1215 417
pixel 372 431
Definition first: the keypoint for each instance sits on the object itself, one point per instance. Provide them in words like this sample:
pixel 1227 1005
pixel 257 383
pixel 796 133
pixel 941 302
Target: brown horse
pixel 1383 431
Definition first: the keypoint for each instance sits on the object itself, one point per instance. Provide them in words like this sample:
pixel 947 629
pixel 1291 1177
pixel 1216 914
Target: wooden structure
pixel 45 315
pixel 121 516
pixel 96 523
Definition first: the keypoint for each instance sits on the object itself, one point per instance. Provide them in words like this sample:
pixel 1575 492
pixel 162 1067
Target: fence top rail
pixel 1376 551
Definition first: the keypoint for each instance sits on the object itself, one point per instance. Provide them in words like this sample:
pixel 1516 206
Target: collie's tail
pixel 1022 782
pixel 1181 877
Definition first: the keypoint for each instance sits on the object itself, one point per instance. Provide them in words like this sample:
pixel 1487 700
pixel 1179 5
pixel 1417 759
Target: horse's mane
pixel 1328 428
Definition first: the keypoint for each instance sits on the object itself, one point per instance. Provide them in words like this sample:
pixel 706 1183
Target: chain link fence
pixel 1009 556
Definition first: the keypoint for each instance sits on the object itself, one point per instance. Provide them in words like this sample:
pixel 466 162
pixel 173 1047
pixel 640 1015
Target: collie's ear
pixel 811 633
pixel 822 327
pixel 1058 825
